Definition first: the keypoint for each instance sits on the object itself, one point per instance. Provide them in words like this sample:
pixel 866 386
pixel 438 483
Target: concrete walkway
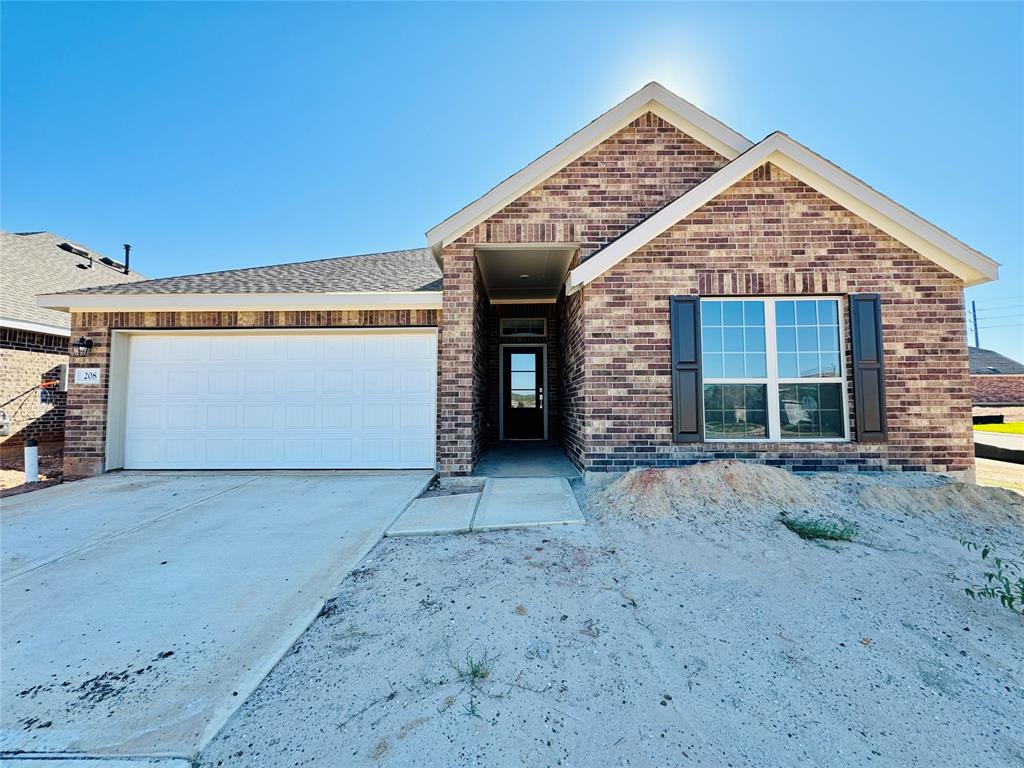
pixel 522 502
pixel 140 609
pixel 525 459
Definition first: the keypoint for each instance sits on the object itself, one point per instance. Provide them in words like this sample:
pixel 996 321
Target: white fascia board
pixel 25 325
pixel 200 302
pixel 653 97
pixel 833 182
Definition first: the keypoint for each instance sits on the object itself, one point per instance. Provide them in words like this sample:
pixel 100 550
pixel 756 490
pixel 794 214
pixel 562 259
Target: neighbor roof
pixel 818 173
pixel 33 263
pixel 653 97
pixel 985 361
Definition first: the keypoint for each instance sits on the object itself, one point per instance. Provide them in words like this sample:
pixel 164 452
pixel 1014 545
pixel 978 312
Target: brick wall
pixel 572 349
pixel 85 427
pixel 997 389
pixel 27 360
pixel 772 235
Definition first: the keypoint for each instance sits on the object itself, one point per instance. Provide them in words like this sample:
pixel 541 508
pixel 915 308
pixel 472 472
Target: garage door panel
pixel 328 401
pixel 182 382
pixel 338 382
pixel 337 416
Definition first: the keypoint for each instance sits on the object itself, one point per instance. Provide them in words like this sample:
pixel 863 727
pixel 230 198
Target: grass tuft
pixel 475 670
pixel 827 530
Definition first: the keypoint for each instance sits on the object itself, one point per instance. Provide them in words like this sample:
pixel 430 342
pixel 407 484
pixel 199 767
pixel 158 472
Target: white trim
pixel 653 97
pixel 198 302
pixel 117 399
pixel 25 325
pixel 817 172
pixel 501 389
pixel 772 382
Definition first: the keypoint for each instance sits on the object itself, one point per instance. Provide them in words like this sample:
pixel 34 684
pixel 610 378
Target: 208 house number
pixel 87 375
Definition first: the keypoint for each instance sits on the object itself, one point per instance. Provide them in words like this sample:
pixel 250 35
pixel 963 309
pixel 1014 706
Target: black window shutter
pixel 687 402
pixel 868 370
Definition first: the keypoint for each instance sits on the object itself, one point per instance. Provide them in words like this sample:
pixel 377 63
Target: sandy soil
pixel 12 474
pixel 684 626
pixel 1000 474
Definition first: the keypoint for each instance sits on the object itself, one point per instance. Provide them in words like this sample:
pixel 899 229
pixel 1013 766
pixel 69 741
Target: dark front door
pixel 523 393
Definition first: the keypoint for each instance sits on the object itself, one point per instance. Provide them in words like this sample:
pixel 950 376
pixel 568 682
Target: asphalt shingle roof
pixel 391 272
pixel 986 361
pixel 32 263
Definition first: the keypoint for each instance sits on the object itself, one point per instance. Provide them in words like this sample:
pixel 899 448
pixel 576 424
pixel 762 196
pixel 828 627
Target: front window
pixel 772 369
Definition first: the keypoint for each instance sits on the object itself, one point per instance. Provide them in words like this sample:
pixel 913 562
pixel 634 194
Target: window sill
pixel 769 441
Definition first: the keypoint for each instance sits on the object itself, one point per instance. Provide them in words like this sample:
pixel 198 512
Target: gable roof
pixel 407 278
pixel 820 174
pixel 33 263
pixel 653 97
pixel 988 362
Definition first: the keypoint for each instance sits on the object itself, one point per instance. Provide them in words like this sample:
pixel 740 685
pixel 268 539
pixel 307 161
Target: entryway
pixel 525 459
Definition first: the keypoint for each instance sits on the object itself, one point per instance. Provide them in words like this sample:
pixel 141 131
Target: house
pixel 655 290
pixel 34 340
pixel 995 379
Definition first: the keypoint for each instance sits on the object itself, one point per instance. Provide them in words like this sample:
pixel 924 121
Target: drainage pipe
pixel 31 460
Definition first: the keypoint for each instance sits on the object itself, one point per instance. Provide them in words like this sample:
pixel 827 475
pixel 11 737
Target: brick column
pixel 85 423
pixel 456 431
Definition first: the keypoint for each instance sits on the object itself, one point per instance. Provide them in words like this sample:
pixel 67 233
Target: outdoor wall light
pixel 82 347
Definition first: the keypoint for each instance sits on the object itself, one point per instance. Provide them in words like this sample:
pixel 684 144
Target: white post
pixel 31 461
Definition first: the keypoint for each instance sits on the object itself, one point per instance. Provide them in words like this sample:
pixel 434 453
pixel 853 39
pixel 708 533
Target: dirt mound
pixel 723 487
pixel 986 505
pixel 718 485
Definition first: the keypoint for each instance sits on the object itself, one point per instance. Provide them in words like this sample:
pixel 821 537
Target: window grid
pixel 523 326
pixel 772 382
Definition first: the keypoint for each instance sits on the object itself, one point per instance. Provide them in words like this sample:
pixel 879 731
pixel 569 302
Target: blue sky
pixel 224 135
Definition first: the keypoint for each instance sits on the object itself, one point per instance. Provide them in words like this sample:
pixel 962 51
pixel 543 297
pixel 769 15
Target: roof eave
pixel 202 302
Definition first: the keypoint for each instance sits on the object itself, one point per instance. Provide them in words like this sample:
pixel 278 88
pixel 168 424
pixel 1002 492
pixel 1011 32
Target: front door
pixel 522 393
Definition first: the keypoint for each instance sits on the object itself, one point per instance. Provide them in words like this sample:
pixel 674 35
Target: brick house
pixel 996 380
pixel 34 340
pixel 655 290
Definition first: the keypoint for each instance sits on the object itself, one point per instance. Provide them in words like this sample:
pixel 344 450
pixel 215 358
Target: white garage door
pixel 281 400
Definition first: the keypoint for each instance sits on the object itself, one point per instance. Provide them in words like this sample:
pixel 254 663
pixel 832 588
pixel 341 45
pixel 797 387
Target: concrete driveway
pixel 140 609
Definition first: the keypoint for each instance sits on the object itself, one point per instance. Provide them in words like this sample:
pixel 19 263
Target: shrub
pixel 1005 583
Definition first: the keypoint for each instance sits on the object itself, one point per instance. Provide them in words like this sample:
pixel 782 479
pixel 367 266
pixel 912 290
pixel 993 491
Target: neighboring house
pixel 655 290
pixel 995 378
pixel 34 340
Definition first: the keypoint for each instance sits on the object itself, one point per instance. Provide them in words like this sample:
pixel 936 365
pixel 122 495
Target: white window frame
pixel 506 320
pixel 772 380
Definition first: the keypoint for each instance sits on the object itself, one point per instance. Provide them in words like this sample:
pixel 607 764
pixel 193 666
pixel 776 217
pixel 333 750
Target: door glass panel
pixel 524 380
pixel 523 362
pixel 524 398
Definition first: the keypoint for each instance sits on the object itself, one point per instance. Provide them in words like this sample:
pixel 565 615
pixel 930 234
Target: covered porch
pixel 520 346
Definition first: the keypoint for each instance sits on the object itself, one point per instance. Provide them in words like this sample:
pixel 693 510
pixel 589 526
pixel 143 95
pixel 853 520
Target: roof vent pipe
pixel 127 253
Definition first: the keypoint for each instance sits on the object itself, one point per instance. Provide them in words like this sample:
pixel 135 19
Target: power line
pixel 1008 325
pixel 1003 317
pixel 999 301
